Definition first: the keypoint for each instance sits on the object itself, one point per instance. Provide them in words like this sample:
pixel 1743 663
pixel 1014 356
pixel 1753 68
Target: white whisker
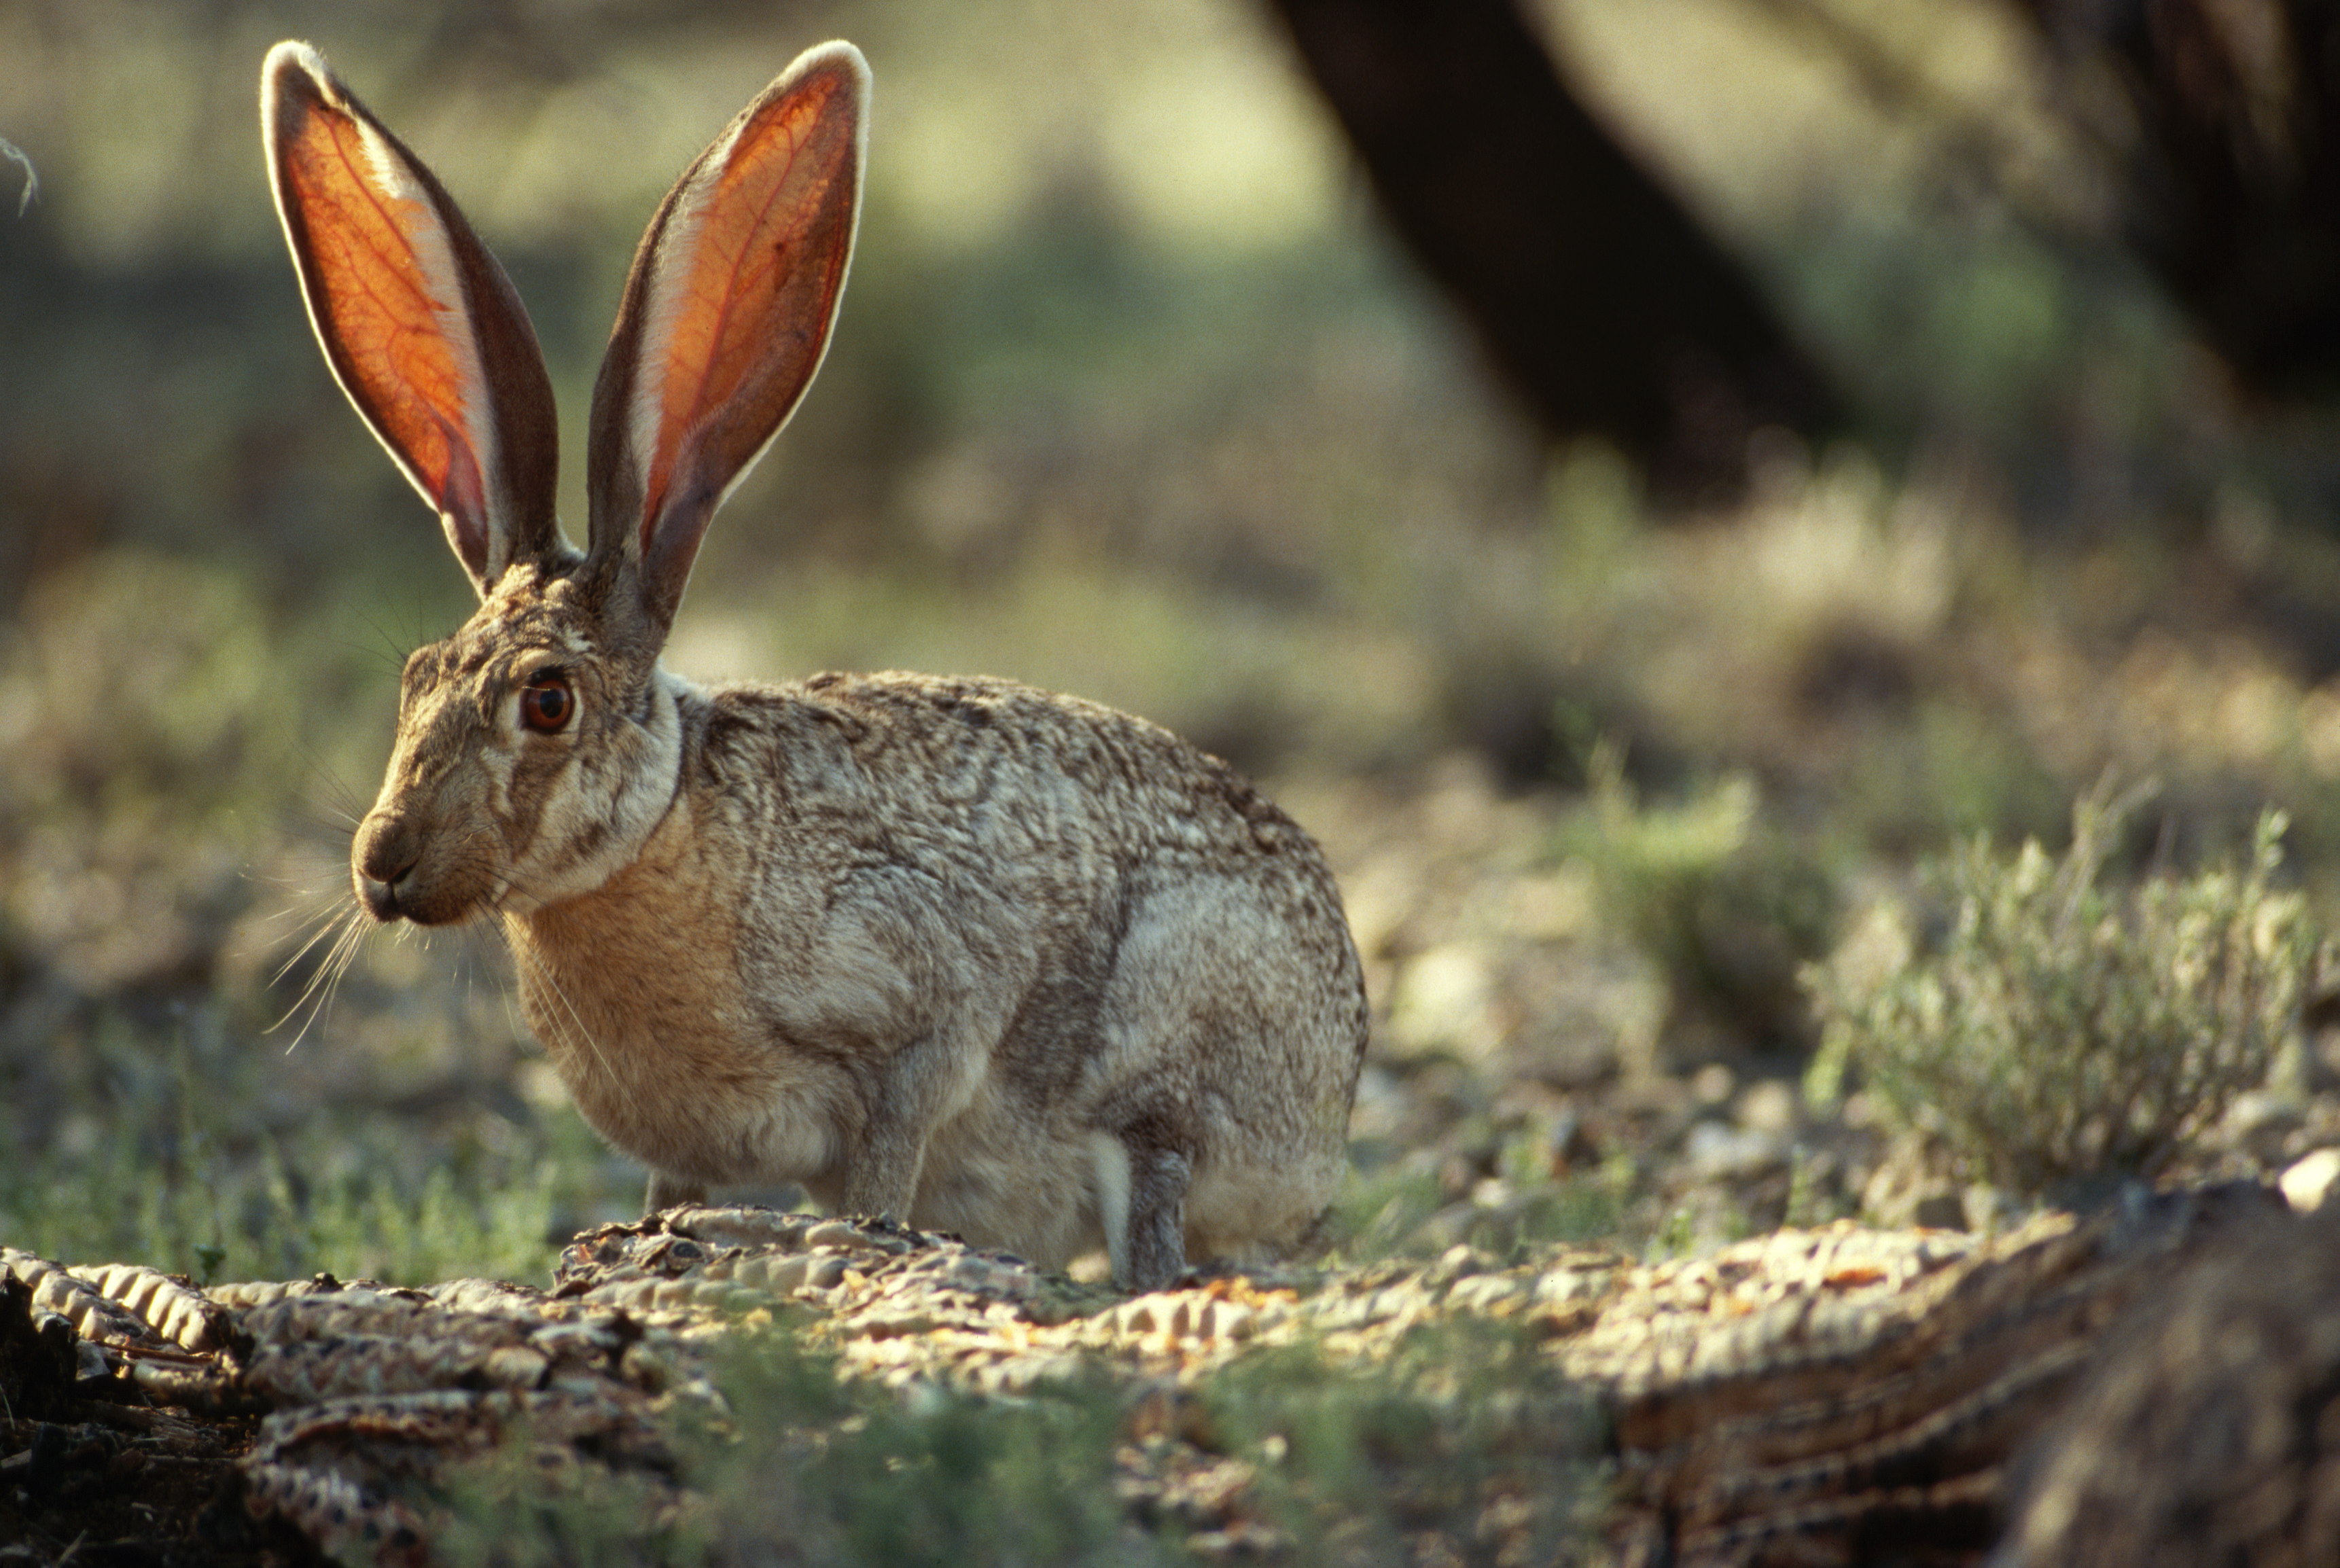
pixel 326 924
pixel 543 974
pixel 324 984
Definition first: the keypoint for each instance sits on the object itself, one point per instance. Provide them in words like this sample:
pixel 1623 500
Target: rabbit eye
pixel 546 704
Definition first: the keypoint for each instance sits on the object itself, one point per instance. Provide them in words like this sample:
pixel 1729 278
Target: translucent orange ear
pixel 727 315
pixel 417 319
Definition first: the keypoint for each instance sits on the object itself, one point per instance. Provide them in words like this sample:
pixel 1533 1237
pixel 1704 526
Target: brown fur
pixel 982 957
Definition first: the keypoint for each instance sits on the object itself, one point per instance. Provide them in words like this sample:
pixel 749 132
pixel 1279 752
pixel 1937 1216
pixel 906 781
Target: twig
pixel 15 154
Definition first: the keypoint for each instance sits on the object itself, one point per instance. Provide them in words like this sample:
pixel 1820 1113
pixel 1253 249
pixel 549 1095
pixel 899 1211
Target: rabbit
pixel 970 955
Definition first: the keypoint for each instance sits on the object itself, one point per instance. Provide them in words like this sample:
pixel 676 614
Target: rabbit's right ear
pixel 417 319
pixel 726 317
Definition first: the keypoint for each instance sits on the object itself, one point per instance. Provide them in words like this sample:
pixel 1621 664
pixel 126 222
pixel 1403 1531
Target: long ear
pixel 420 324
pixel 726 317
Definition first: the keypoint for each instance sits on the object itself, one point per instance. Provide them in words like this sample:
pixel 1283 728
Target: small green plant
pixel 1724 905
pixel 1403 1207
pixel 1381 1211
pixel 1460 1433
pixel 799 1464
pixel 1809 1203
pixel 2061 1032
pixel 1676 1238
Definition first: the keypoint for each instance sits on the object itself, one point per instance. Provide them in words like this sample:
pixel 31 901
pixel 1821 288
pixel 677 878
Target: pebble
pixel 2309 1180
pixel 1768 1106
pixel 1716 1150
pixel 1494 1295
pixel 837 1232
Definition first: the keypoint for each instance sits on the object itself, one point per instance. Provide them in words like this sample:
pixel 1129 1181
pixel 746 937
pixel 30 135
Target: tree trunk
pixel 1602 300
pixel 2233 186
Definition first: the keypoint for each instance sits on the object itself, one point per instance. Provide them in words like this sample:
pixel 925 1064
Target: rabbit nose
pixel 385 851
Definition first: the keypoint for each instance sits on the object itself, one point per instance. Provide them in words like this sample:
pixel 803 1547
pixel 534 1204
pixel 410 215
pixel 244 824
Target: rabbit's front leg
pixel 913 1092
pixel 665 1191
pixel 885 1177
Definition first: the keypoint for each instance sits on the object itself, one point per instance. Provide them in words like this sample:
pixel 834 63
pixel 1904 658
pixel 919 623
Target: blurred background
pixel 1631 475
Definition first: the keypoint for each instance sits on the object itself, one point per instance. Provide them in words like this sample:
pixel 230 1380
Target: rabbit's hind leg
pixel 1153 1253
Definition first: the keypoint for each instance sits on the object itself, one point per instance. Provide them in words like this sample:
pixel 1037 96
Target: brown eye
pixel 546 704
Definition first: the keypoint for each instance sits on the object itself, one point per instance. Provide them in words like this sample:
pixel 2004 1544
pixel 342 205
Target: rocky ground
pixel 1835 1396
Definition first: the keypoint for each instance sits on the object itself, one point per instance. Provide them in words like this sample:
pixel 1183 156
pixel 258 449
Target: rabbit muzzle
pixel 383 864
pixel 387 866
pixel 381 858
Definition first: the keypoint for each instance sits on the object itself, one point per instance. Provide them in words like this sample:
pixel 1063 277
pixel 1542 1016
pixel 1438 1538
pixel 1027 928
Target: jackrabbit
pixel 975 956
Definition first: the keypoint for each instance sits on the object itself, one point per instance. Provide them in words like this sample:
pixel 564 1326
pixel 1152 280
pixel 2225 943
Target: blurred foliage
pixel 1401 1209
pixel 921 1475
pixel 804 1465
pixel 196 1157
pixel 2060 1031
pixel 1464 1434
pixel 1726 907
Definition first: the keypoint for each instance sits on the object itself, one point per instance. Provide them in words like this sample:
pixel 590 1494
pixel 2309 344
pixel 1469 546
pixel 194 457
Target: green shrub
pixel 1723 903
pixel 2061 1032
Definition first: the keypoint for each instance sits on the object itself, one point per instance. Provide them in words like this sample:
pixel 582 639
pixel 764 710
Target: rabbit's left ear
pixel 726 317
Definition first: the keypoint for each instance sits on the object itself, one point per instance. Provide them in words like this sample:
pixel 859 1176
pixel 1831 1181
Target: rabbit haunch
pixel 982 959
